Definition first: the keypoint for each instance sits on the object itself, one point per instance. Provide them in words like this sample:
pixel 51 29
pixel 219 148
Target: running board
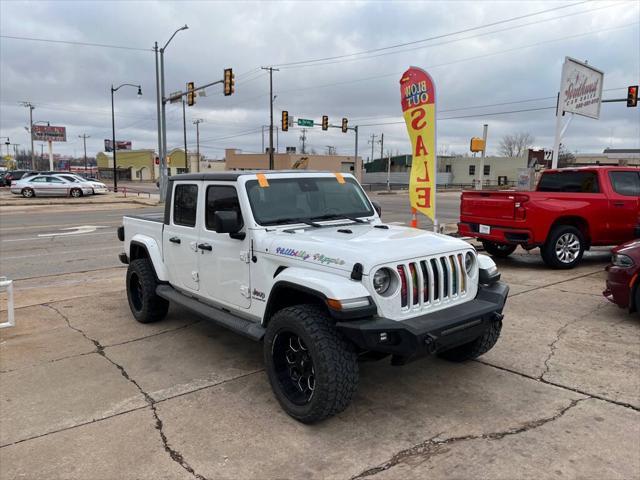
pixel 244 327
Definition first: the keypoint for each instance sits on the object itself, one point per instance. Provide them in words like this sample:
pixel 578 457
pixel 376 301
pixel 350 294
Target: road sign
pixel 303 122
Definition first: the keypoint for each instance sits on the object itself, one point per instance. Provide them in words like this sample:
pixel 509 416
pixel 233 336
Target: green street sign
pixel 303 122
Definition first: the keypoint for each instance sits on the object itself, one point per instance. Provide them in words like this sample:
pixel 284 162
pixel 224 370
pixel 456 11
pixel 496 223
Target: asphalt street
pixel 56 239
pixel 48 240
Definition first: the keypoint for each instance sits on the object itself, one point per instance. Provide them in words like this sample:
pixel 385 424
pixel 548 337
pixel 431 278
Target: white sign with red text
pixel 580 88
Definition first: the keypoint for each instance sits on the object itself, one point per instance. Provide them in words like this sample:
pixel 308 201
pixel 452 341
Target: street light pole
pixel 184 133
pixel 197 123
pixel 270 69
pixel 84 137
pixel 158 102
pixel 114 147
pixel 33 154
pixel 163 121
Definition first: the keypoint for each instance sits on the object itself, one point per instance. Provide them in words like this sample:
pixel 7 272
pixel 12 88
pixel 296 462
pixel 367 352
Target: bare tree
pixel 515 145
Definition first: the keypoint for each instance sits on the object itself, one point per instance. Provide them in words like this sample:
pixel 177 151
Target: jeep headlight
pixel 382 281
pixel 620 260
pixel 468 262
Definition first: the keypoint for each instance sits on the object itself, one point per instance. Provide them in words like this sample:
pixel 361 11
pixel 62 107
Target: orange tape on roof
pixel 262 180
pixel 339 177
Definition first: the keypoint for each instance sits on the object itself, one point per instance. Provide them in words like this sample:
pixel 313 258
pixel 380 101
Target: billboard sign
pixel 120 145
pixel 581 88
pixel 418 101
pixel 49 133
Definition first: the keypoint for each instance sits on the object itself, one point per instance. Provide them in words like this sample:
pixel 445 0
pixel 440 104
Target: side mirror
pixel 226 221
pixel 378 208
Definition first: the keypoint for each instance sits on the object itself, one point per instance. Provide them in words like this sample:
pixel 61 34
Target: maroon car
pixel 623 279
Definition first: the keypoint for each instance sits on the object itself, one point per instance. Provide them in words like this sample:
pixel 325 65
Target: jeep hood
pixel 344 245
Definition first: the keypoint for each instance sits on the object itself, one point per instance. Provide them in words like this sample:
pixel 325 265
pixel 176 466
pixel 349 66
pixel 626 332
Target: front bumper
pixel 431 333
pixel 618 286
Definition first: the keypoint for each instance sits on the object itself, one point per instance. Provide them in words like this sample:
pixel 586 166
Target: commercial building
pixel 452 170
pixel 610 156
pixel 236 160
pixel 143 165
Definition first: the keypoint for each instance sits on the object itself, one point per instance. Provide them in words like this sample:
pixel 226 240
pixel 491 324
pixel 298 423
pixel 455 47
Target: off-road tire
pixel 75 193
pixel 500 250
pixel 145 305
pixel 474 349
pixel 334 360
pixel 548 250
pixel 28 193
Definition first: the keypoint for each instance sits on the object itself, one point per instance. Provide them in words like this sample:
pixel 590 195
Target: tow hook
pixel 430 344
pixel 497 317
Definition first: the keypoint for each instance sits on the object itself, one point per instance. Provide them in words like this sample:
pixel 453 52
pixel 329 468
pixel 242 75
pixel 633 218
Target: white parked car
pixel 97 187
pixel 302 262
pixel 49 186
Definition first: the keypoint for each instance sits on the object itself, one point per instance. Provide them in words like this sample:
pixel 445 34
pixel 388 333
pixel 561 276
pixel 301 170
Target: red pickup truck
pixel 571 210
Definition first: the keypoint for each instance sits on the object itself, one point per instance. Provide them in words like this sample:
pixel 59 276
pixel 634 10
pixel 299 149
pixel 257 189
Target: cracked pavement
pixel 86 392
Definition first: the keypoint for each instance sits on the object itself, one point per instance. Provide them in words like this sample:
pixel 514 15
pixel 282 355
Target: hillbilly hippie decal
pixel 304 255
pixel 418 99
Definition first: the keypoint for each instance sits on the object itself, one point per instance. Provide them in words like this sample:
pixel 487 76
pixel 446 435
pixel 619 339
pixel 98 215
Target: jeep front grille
pixel 432 281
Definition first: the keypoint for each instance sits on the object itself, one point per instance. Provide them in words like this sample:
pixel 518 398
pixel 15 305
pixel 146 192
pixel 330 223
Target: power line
pixel 432 38
pixel 476 57
pixel 453 40
pixel 464 116
pixel 84 44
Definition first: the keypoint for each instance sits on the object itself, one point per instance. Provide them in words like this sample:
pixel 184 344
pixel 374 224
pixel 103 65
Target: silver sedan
pixel 49 186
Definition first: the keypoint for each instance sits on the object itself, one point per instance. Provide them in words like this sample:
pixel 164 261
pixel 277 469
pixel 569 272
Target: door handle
pixel 618 204
pixel 205 246
pixel 174 240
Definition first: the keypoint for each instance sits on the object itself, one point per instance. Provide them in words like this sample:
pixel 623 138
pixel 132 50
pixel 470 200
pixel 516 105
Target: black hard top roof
pixel 232 175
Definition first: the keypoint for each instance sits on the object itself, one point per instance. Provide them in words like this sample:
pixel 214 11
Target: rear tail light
pixel 403 286
pixel 520 212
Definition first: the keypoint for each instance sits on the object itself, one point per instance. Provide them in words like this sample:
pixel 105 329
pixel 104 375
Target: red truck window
pixel 626 183
pixel 575 182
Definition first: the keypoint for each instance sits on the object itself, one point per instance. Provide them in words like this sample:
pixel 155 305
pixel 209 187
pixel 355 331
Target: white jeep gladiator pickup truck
pixel 302 262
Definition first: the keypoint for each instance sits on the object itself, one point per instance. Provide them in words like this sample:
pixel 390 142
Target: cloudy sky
pixel 487 58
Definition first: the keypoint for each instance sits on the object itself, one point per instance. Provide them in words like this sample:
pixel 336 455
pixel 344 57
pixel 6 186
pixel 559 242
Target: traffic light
pixel 229 82
pixel 632 96
pixel 285 121
pixel 345 125
pixel 191 94
pixel 325 122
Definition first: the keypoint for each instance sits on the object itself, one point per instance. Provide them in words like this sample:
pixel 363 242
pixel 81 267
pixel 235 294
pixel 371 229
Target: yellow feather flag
pixel 418 99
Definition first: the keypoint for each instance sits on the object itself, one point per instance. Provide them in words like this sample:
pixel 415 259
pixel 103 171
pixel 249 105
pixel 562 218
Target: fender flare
pixel 155 255
pixel 322 285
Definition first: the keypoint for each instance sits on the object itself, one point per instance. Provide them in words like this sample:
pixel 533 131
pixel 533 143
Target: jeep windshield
pixel 305 199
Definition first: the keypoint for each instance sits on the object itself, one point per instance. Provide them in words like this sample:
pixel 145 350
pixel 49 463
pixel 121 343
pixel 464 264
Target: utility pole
pixel 184 132
pixel 388 170
pixel 484 149
pixel 33 154
pixel 84 137
pixel 271 69
pixel 372 142
pixel 303 139
pixel 197 123
pixel 382 145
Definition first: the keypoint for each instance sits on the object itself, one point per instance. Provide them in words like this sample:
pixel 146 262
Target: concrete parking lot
pixel 87 392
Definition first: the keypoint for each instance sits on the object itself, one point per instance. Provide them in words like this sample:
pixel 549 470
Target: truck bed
pixel 146 225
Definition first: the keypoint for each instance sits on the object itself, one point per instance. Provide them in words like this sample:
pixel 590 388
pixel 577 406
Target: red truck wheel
pixel 564 247
pixel 501 250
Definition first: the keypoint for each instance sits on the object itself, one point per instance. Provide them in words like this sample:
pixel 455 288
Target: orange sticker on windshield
pixel 262 180
pixel 339 177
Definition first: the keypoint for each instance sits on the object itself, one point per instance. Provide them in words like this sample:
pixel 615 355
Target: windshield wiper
pixel 338 216
pixel 306 221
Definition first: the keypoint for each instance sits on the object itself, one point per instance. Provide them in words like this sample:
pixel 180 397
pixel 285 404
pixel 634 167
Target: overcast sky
pixel 512 61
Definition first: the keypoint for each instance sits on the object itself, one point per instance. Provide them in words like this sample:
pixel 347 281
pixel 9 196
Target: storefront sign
pixel 581 88
pixel 49 133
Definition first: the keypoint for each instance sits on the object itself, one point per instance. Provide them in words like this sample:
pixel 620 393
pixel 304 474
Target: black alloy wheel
pixel 293 367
